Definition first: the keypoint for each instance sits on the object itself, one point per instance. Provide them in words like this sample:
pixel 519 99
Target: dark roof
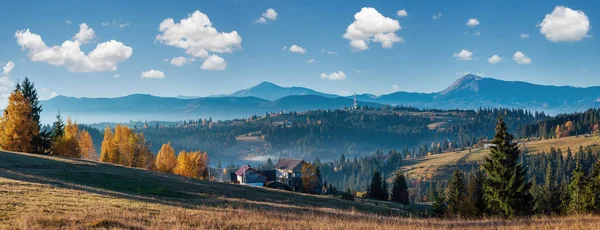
pixel 243 169
pixel 288 163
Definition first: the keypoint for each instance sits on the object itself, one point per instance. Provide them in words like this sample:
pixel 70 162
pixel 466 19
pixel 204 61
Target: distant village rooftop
pixel 288 163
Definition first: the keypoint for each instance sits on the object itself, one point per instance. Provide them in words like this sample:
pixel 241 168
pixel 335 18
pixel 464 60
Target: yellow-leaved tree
pixel 165 160
pixel 122 144
pixel 138 154
pixel 192 164
pixel 67 145
pixel 126 148
pixel 86 145
pixel 17 127
pixel 184 165
pixel 107 151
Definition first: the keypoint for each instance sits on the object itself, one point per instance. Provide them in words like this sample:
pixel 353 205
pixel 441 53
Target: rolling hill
pixel 45 192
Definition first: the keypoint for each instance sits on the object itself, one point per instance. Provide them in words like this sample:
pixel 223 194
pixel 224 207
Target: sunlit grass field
pixel 42 192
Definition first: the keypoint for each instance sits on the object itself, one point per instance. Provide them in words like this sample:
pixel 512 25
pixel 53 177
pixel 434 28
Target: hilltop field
pixel 44 192
pixel 440 166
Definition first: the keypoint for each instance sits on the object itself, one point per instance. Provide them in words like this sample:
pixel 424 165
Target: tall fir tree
pixel 476 203
pixel 400 189
pixel 506 190
pixel 456 194
pixel 594 188
pixel 374 190
pixel 58 128
pixel 579 197
pixel 41 141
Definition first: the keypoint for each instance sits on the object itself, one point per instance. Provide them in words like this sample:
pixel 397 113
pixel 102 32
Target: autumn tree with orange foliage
pixel 192 164
pixel 107 151
pixel 86 145
pixel 165 160
pixel 126 148
pixel 17 127
pixel 67 145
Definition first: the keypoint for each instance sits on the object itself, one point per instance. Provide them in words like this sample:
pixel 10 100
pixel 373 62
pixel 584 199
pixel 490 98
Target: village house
pixel 246 175
pixel 289 172
pixel 249 176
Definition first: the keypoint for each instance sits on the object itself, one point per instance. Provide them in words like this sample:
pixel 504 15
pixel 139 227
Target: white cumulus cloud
pixel 67 22
pixel 297 49
pixel 521 58
pixel 335 76
pixel 270 14
pixel 494 59
pixel 565 24
pixel 395 87
pixel 261 20
pixel 437 16
pixel 464 55
pixel 214 62
pixel 153 74
pixel 8 67
pixel 116 76
pixel 402 13
pixel 180 61
pixel 524 35
pixel 85 34
pixel 197 36
pixel 309 61
pixel 104 57
pixel 473 22
pixel 369 25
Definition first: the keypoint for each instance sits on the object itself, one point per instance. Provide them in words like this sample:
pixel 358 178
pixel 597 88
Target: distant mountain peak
pixel 270 91
pixel 265 84
pixel 467 82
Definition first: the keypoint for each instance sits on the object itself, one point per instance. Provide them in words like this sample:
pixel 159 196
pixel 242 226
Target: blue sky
pixel 424 55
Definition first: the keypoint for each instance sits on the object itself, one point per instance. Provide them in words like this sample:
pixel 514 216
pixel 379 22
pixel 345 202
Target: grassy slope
pixel 439 166
pixel 43 192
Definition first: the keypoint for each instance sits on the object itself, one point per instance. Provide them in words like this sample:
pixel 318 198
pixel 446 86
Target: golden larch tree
pixel 107 151
pixel 86 145
pixel 17 127
pixel 138 154
pixel 165 160
pixel 68 145
pixel 184 165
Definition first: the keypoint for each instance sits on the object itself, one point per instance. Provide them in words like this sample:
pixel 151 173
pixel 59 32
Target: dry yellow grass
pixel 572 142
pixel 439 166
pixel 39 192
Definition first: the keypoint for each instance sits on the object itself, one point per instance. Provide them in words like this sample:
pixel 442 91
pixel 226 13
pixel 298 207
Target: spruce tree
pixel 400 189
pixel 579 199
pixel 475 193
pixel 594 188
pixel 456 194
pixel 506 190
pixel 374 190
pixel 58 128
pixel 41 141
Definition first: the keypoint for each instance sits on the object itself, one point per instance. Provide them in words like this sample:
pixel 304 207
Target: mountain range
pixel 468 92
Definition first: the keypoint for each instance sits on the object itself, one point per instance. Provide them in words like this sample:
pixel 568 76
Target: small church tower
pixel 355 105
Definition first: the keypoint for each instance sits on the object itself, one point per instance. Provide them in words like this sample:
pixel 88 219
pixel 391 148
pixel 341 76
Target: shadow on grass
pixel 147 186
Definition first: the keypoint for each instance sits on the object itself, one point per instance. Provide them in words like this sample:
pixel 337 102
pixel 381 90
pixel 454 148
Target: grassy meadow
pixel 44 192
